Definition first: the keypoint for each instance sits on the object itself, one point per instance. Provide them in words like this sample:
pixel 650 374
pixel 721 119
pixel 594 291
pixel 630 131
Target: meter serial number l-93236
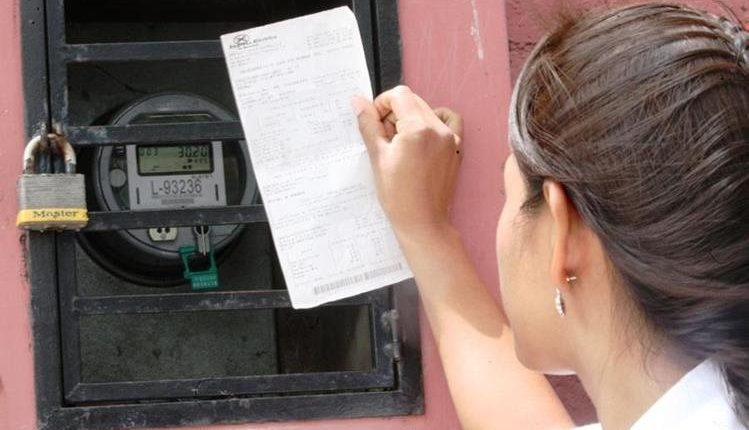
pixel 176 176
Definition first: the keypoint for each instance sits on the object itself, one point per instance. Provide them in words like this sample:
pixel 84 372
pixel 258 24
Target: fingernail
pixel 358 104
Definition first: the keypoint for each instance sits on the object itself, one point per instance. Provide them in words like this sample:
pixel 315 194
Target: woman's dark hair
pixel 641 113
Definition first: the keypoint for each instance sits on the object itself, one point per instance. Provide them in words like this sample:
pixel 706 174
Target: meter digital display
pixel 174 160
pixel 176 176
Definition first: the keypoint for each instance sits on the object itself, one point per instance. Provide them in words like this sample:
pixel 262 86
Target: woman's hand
pixel 415 153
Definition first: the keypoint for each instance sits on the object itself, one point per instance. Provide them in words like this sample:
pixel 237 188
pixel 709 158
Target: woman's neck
pixel 625 380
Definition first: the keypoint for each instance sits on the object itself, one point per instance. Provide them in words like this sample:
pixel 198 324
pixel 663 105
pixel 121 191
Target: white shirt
pixel 698 401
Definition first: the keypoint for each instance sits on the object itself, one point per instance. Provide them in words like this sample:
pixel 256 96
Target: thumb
pixel 370 124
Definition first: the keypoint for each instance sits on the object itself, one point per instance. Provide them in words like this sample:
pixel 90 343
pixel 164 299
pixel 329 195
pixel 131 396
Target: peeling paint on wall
pixel 476 31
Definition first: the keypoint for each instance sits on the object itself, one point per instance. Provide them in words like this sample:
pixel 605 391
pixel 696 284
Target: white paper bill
pixel 293 82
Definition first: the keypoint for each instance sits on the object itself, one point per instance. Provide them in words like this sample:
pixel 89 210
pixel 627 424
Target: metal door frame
pixel 62 401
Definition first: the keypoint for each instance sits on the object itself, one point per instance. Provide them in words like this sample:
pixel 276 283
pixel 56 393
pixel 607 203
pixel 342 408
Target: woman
pixel 623 244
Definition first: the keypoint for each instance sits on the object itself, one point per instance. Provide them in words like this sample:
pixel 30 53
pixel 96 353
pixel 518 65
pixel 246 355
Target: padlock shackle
pixel 29 153
pixel 68 152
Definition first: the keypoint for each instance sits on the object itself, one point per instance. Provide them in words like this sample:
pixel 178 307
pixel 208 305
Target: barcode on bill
pixel 350 280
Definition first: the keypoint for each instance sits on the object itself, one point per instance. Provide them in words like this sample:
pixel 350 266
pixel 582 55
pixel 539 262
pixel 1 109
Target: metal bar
pixel 387 44
pixel 202 412
pixel 404 300
pixel 126 220
pixel 141 51
pixel 235 386
pixel 380 332
pixel 409 375
pixel 154 133
pixel 58 74
pixel 381 304
pixel 34 59
pixel 363 11
pixel 67 281
pixel 45 324
pixel 190 302
pixel 39 248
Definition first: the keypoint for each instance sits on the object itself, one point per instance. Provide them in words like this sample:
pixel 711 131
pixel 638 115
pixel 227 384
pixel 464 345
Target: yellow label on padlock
pixel 52 218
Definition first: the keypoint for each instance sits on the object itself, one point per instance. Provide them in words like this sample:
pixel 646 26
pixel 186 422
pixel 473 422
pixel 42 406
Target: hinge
pixel 393 348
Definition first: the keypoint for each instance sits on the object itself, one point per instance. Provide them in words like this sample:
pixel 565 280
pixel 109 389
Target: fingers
pixel 451 119
pixel 401 101
pixel 372 130
pixel 402 110
pixel 454 121
pixel 390 122
pixel 398 103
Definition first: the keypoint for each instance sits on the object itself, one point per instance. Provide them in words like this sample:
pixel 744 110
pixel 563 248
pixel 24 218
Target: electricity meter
pixel 141 176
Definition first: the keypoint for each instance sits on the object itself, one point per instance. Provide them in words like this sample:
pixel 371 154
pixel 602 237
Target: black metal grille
pixel 56 45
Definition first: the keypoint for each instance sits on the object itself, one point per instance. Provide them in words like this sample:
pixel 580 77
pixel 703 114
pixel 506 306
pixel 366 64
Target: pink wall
pixel 16 374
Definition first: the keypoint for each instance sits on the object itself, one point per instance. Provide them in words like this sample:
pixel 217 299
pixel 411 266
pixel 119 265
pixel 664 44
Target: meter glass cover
pixel 175 160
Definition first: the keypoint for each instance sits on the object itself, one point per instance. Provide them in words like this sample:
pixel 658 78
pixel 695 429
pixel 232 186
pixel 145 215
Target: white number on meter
pixel 178 187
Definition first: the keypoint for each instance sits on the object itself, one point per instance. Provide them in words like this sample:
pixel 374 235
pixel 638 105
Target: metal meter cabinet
pixel 85 62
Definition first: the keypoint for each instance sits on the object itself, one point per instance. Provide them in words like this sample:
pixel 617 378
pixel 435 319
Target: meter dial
pixel 178 176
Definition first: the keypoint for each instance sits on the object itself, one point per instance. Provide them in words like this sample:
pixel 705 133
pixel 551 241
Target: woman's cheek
pixel 504 259
pixel 514 299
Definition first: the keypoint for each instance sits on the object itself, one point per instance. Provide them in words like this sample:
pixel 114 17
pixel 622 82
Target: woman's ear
pixel 564 238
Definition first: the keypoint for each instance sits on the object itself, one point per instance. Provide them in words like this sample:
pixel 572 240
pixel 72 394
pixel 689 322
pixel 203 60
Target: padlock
pixel 51 200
